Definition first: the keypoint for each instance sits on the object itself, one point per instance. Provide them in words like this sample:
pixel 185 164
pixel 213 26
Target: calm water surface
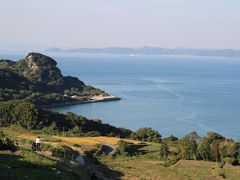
pixel 174 95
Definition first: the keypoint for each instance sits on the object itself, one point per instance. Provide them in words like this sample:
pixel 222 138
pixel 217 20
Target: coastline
pixel 93 99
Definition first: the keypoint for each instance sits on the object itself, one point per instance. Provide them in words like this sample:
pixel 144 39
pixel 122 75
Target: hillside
pixel 38 79
pixel 112 152
pixel 146 165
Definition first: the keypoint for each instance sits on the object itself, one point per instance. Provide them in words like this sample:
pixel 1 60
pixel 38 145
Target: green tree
pixel 52 128
pixel 146 134
pixel 187 148
pixel 213 136
pixel 235 152
pixel 26 114
pixel 224 151
pixel 215 150
pixel 204 149
pixel 164 150
pixel 76 129
pixel 193 136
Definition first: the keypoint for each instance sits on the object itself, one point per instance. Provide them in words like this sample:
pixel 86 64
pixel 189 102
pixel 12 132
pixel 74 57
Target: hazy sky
pixel 129 23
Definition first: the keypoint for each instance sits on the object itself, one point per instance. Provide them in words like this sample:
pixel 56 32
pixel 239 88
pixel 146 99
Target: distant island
pixel 230 53
pixel 37 79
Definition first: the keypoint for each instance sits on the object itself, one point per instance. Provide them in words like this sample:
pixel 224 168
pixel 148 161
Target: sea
pixel 172 94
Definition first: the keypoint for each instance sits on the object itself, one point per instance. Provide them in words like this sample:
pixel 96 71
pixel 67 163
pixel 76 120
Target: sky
pixel 40 24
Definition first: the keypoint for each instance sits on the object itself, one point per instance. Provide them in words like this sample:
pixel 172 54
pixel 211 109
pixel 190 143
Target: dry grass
pixel 92 140
pixel 140 168
pixel 207 170
pixel 24 134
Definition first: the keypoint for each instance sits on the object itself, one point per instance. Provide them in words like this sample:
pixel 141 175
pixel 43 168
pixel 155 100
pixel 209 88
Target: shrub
pixel 6 143
pixel 164 150
pixel 57 152
pixel 123 148
pixel 230 160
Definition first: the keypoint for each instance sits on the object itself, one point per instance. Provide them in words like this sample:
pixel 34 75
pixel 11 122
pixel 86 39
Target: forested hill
pixel 38 79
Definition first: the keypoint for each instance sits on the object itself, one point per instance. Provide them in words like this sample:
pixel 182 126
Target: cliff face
pixel 42 69
pixel 38 77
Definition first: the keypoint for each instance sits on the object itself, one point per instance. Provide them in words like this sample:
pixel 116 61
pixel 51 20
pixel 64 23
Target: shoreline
pixel 93 99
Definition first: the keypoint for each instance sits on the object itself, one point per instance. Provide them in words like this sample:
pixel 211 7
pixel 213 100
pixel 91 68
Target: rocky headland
pixel 37 78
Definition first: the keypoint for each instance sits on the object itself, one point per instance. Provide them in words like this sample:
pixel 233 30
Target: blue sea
pixel 172 94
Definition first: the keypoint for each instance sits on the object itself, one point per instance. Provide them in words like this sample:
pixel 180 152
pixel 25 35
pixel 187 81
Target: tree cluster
pixel 29 116
pixel 146 134
pixel 212 147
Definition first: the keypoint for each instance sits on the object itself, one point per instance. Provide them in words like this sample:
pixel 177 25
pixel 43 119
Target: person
pixel 38 143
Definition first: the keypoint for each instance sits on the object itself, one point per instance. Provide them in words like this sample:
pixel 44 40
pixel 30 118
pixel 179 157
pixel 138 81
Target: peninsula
pixel 37 79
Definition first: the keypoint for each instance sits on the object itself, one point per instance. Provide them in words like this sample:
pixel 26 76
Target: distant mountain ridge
pixel 231 53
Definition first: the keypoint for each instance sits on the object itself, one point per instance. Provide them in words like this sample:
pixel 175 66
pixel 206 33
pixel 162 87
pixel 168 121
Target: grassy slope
pixel 25 164
pixel 144 166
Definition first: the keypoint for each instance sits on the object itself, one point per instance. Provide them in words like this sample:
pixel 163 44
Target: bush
pixel 164 150
pixel 57 152
pixel 123 148
pixel 6 143
pixel 230 160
